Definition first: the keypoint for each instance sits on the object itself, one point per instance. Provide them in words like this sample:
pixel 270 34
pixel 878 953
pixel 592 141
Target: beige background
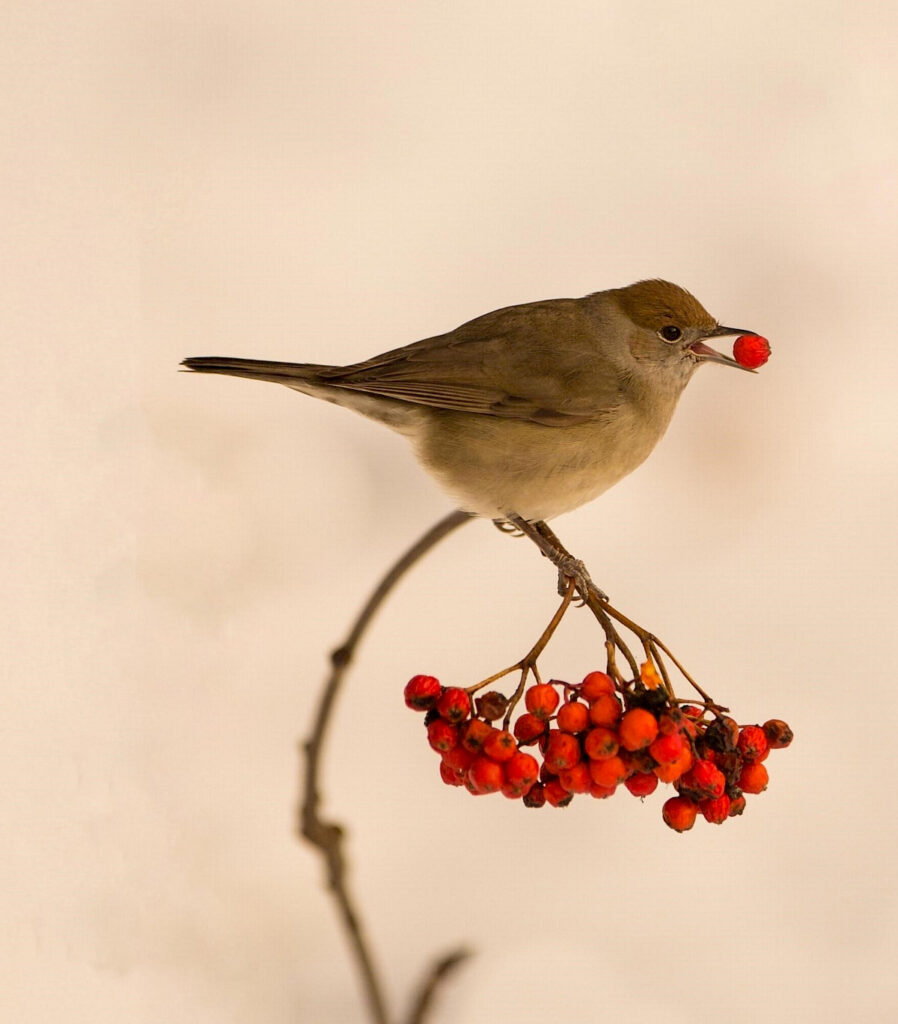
pixel 324 181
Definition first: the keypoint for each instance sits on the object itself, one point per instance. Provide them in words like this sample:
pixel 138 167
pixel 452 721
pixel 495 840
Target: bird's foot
pixel 570 568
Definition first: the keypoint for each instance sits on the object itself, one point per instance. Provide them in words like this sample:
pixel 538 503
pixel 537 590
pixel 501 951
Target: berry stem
pixel 327 835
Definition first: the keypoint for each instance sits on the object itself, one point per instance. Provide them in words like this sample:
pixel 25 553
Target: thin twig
pixel 328 836
pixel 437 974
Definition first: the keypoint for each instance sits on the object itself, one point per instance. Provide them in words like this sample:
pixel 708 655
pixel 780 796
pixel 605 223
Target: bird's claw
pixel 571 568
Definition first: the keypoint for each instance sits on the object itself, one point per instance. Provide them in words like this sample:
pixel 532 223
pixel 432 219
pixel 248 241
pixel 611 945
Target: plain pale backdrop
pixel 323 181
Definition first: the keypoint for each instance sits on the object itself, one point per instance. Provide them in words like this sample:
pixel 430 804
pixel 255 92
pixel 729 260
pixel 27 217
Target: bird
pixel 532 410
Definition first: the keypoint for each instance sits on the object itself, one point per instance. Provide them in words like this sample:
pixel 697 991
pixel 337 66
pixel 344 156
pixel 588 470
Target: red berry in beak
pixel 751 350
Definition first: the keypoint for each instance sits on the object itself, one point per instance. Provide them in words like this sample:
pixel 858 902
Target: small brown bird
pixel 532 410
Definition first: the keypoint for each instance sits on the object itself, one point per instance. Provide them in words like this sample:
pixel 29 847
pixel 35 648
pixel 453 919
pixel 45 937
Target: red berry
pixel 441 735
pixel 751 350
pixel 573 716
pixel 454 704
pixel 753 778
pixel 528 727
pixel 521 770
pixel 642 783
pixel 671 772
pixel 458 759
pixel 541 700
pixel 556 794
pixel 716 811
pixel 637 728
pixel 605 710
pixel 752 743
pixel 500 745
pixel 609 772
pixel 484 776
pixel 474 733
pixel 562 751
pixel 421 692
pixel 737 805
pixel 778 733
pixel 600 743
pixel 679 813
pixel 450 776
pixel 667 749
pixel 601 792
pixel 595 684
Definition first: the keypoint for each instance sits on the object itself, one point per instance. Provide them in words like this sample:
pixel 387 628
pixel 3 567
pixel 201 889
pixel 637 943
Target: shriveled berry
pixel 573 716
pixel 484 776
pixel 491 705
pixel 667 749
pixel 649 675
pixel 609 772
pixel 535 796
pixel 454 704
pixel 637 728
pixel 716 811
pixel 576 779
pixel 541 700
pixel 703 780
pixel 679 813
pixel 474 733
pixel 556 794
pixel 752 743
pixel 441 735
pixel 562 751
pixel 778 733
pixel 528 727
pixel 600 743
pixel 753 778
pixel 500 745
pixel 722 734
pixel 641 783
pixel 422 692
pixel 605 710
pixel 751 350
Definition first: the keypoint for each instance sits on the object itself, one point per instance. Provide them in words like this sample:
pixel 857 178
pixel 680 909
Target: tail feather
pixel 257 369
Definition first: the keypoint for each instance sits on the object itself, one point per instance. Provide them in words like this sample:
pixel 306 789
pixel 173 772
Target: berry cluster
pixel 592 738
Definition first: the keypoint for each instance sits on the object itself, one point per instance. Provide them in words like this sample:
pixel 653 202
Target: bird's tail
pixel 291 374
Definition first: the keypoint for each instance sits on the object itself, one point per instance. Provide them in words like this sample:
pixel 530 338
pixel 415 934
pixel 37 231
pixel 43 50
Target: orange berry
pixel 541 700
pixel 716 811
pixel 521 770
pixel 573 716
pixel 605 710
pixel 601 792
pixel 528 727
pixel 500 745
pixel 737 805
pixel 556 794
pixel 753 778
pixel 703 780
pixel 600 743
pixel 595 684
pixel 474 733
pixel 576 779
pixel 441 735
pixel 608 772
pixel 458 758
pixel 667 749
pixel 562 751
pixel 484 776
pixel 450 776
pixel 671 772
pixel 637 728
pixel 649 675
pixel 752 744
pixel 454 704
pixel 679 813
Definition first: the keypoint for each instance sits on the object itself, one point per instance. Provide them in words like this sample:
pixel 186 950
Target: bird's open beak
pixel 706 354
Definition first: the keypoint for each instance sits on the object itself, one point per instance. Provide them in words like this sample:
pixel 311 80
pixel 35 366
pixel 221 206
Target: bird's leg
pixel 569 568
pixel 503 526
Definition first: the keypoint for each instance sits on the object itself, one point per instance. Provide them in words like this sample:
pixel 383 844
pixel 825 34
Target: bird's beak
pixel 706 354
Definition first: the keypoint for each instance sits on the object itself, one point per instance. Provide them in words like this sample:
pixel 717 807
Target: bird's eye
pixel 671 333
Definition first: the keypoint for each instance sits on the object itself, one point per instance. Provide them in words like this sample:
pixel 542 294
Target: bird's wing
pixel 543 362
